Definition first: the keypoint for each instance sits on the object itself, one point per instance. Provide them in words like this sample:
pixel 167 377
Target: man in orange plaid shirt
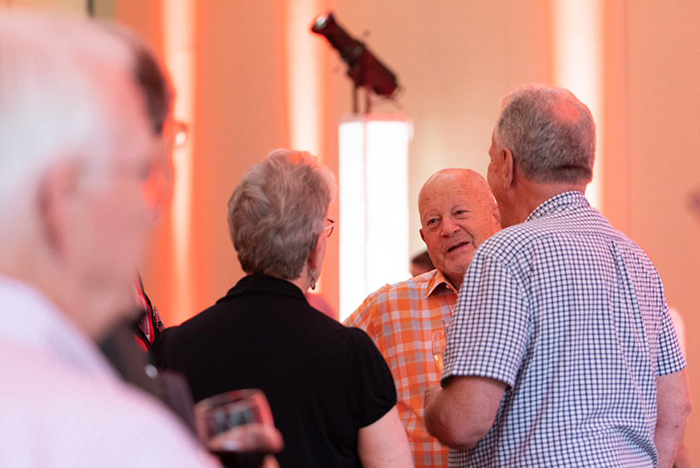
pixel 458 213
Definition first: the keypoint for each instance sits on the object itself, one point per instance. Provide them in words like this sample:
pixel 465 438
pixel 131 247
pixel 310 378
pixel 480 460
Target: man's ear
pixel 55 197
pixel 508 168
pixel 497 214
pixel 421 235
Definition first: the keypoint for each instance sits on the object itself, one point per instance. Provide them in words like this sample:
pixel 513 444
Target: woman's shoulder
pixel 333 333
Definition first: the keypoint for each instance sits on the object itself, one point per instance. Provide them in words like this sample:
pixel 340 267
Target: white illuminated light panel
pixel 373 206
pixel 578 66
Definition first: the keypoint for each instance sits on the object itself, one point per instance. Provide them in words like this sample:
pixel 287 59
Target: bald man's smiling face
pixel 457 215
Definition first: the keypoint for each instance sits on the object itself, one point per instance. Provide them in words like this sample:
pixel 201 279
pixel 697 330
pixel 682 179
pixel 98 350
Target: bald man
pixel 458 213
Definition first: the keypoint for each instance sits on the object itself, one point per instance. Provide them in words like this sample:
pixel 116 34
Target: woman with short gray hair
pixel 276 214
pixel 331 393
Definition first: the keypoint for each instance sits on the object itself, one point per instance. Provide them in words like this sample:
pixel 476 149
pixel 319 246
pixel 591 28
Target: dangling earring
pixel 312 273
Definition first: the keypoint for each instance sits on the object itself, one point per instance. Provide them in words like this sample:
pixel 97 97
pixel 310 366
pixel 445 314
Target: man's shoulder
pixel 78 408
pixel 512 240
pixel 389 298
pixel 418 284
pixel 202 322
pixel 34 375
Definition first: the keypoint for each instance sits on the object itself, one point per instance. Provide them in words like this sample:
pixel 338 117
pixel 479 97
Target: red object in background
pixel 150 324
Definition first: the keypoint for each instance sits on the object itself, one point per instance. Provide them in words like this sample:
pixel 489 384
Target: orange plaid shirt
pixel 401 318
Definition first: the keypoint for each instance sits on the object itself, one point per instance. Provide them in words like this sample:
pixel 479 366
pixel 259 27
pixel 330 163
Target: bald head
pixel 465 180
pixel 458 213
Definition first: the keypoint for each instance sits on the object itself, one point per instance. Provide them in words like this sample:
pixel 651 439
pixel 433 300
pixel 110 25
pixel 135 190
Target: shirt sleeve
pixel 371 387
pixel 670 358
pixel 362 317
pixel 366 316
pixel 489 331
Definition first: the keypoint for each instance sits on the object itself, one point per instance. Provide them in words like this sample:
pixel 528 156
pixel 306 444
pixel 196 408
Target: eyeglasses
pixel 156 180
pixel 153 178
pixel 330 227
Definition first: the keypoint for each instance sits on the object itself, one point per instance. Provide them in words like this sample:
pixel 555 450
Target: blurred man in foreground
pixel 561 351
pixel 81 179
pixel 458 213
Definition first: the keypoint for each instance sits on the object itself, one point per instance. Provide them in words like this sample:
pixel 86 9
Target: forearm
pixel 668 439
pixel 461 414
pixel 439 423
pixel 673 407
pixel 384 443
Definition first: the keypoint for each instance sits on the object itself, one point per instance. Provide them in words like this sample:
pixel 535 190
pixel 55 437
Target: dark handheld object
pixel 365 69
pixel 241 459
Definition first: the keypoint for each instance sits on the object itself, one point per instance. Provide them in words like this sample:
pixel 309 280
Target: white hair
pixel 550 132
pixel 61 82
pixel 277 212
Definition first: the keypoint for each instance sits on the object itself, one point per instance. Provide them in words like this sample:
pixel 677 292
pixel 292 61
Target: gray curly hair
pixel 550 132
pixel 277 211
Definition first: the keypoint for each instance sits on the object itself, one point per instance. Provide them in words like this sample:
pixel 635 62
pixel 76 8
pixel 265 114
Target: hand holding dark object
pixel 237 427
pixel 251 438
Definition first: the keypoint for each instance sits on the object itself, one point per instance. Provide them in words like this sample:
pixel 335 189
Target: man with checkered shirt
pixel 458 213
pixel 561 351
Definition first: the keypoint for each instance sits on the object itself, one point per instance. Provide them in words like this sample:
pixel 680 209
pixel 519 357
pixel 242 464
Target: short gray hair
pixel 277 211
pixel 550 132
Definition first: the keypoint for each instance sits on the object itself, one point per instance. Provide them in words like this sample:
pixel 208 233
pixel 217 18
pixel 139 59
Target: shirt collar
pixel 30 319
pixel 438 279
pixel 560 202
pixel 263 284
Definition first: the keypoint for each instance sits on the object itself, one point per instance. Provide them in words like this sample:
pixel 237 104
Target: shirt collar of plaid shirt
pixel 436 281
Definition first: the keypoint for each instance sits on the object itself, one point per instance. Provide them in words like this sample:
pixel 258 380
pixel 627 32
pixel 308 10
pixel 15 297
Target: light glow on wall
pixel 578 56
pixel 304 76
pixel 178 32
pixel 373 206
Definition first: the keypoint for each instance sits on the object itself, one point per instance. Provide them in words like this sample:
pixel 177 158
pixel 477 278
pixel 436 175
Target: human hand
pixel 250 438
pixel 270 462
pixel 430 394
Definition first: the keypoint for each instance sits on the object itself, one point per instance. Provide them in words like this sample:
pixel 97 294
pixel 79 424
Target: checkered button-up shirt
pixel 571 315
pixel 401 318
